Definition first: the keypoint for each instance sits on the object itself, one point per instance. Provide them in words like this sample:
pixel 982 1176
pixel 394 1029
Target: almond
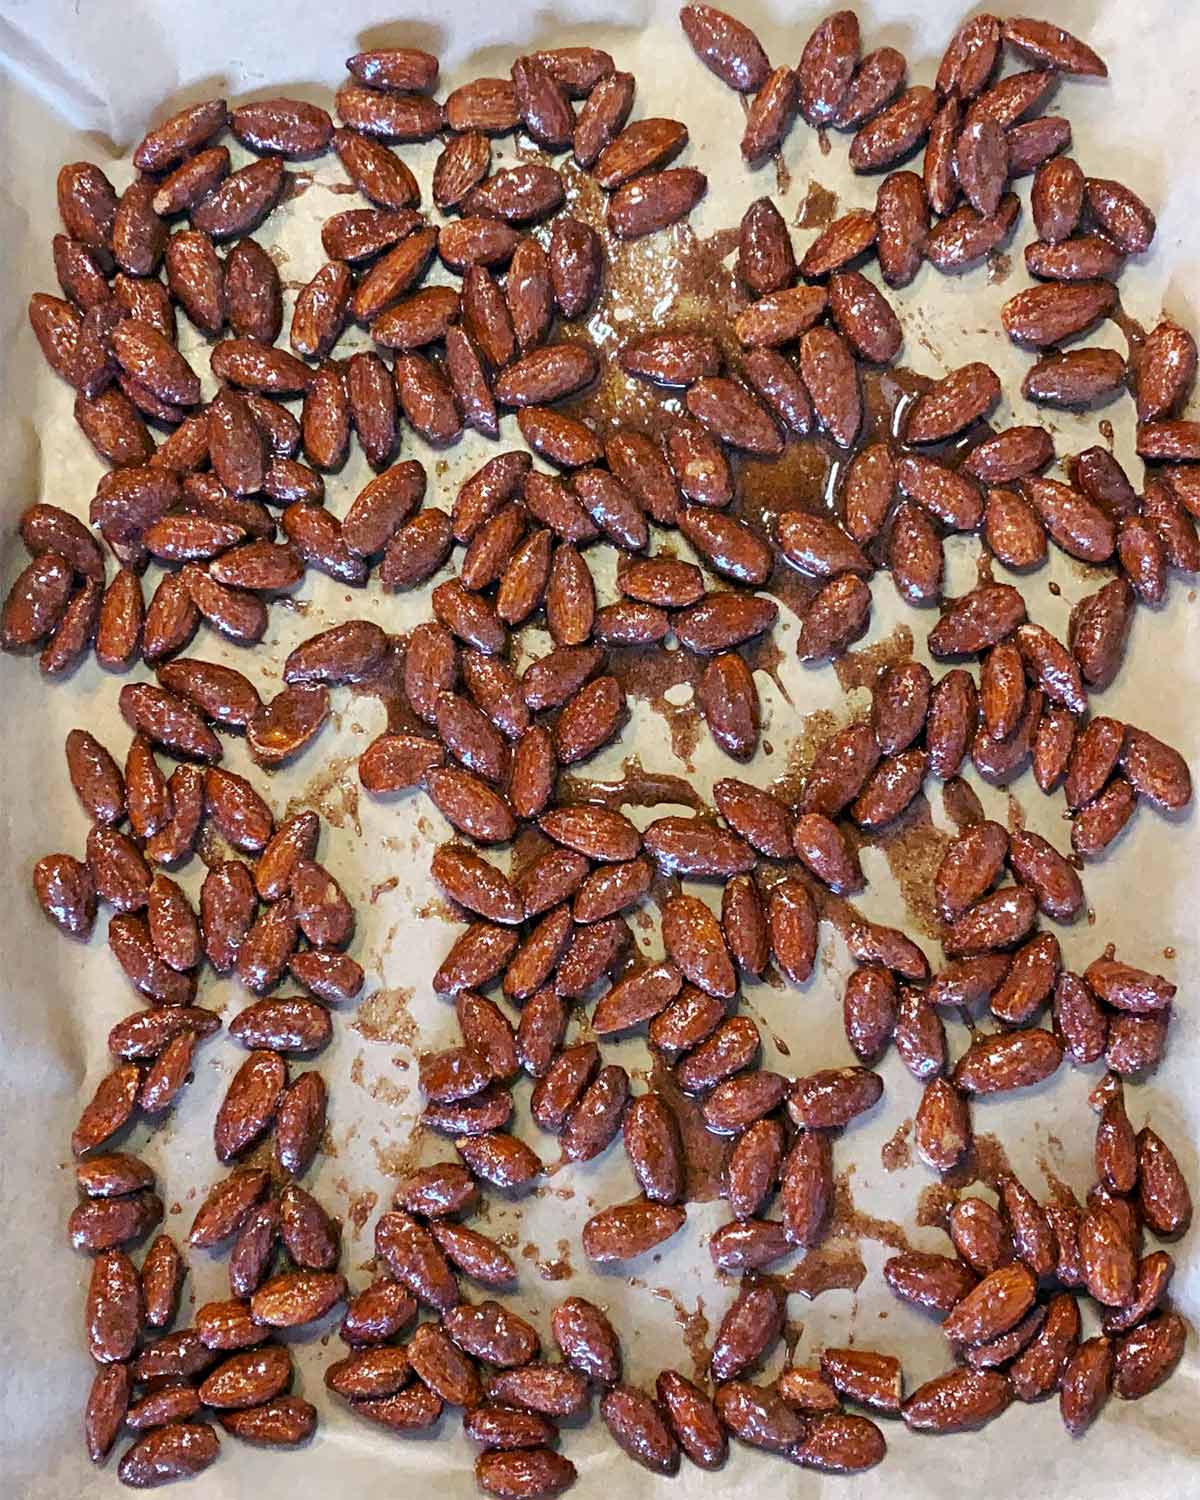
pixel 726 46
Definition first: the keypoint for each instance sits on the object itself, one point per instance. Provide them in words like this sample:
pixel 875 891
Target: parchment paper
pixel 85 79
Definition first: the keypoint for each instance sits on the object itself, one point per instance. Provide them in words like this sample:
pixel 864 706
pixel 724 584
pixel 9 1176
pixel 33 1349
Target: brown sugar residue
pixel 672 281
pixel 961 804
pixel 332 792
pixel 934 1205
pixel 438 909
pixel 816 728
pixel 914 848
pixel 382 888
pixel 295 185
pixel 1016 815
pixel 817 209
pixel 859 669
pixel 1060 1190
pixel 684 725
pixel 888 396
pixel 848 1222
pixel 991 1159
pixel 793 1332
pixel 764 654
pixel 563 1193
pixel 385 1017
pixel 398 1160
pixel 800 478
pixel 362 1206
pixel 721 244
pixel 896 1153
pixel 648 673
pixel 558 1268
pixel 1135 333
pixel 211 847
pixel 797 479
pixel 828 1268
pixel 986 1161
pixel 386 684
pixel 999 268
pixel 694 1326
pixel 384 1091
pixel 705 1155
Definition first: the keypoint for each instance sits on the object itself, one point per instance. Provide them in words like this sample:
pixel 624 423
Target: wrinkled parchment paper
pixel 85 79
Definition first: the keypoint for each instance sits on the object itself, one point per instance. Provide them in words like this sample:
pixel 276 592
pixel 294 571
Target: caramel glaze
pixel 386 683
pixel 705 1155
pixel 636 788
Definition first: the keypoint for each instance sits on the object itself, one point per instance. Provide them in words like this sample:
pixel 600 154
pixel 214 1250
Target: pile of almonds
pixel 487 743
pixel 281 914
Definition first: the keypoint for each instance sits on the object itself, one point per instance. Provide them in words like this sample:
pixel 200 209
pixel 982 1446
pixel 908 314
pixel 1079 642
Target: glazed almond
pixel 806 1188
pixel 629 1230
pixel 959 1401
pixel 833 1097
pixel 780 316
pixel 401 68
pixel 826 66
pixel 648 204
pixel 602 116
pixel 936 1282
pixel 1163 1195
pixel 1008 1061
pixel 726 46
pixel 176 1451
pixel 524 1474
pixel 731 1108
pixel 838 616
pixel 894 132
pixel 957 400
pixel 640 147
pixel 766 262
pixel 729 702
pixel 838 245
pixel 902 227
